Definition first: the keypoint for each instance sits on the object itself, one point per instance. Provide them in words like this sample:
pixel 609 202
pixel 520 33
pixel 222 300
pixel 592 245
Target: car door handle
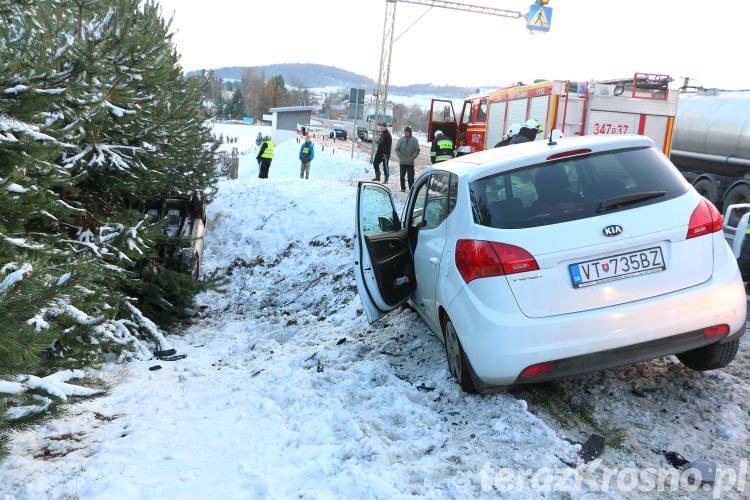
pixel 433 260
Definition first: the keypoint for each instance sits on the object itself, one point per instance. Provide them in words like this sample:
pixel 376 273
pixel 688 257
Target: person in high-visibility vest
pixel 265 155
pixel 442 148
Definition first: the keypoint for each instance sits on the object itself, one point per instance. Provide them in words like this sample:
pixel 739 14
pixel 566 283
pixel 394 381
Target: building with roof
pixel 284 122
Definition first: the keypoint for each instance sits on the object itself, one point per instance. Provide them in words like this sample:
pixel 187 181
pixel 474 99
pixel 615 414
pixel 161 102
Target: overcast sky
pixel 589 39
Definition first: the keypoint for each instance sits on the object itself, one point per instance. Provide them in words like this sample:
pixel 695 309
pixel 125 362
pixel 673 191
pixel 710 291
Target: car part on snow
pixel 706 469
pixel 592 448
pixel 674 458
pixel 154 368
pixel 168 355
pixel 173 358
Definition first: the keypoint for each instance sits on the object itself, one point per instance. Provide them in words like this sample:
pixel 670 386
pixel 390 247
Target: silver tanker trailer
pixel 711 145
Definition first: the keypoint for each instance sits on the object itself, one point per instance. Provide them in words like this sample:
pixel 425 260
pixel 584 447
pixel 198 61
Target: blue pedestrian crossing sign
pixel 540 18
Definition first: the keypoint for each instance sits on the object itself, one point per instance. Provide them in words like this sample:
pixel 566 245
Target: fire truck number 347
pixel 610 128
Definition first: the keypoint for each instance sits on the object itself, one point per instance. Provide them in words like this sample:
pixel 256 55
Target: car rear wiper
pixel 628 199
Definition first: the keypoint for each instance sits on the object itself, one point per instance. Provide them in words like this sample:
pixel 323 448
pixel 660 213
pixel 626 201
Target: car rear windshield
pixel 575 188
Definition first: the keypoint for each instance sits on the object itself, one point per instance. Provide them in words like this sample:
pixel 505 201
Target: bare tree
pixel 298 92
pixel 253 83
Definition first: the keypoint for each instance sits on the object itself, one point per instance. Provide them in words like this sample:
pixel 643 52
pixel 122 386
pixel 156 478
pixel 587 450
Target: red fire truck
pixel 640 105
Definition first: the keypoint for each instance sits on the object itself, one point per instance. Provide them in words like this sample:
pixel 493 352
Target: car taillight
pixel 715 331
pixel 705 219
pixel 540 369
pixel 482 259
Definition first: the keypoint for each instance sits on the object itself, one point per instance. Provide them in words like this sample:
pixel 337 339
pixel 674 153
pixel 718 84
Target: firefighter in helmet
pixel 442 148
pixel 509 135
pixel 528 132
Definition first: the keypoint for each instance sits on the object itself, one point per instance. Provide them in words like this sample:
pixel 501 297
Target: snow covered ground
pixel 287 391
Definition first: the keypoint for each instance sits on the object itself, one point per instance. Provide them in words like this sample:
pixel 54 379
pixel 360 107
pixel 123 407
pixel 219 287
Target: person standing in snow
pixel 407 149
pixel 383 153
pixel 306 154
pixel 265 155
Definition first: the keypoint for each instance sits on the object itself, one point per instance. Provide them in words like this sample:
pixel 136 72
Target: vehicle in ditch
pixel 184 228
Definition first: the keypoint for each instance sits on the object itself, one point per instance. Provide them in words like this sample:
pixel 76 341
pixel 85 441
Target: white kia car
pixel 542 260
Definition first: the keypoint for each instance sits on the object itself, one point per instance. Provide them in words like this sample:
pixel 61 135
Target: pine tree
pixel 105 82
pixel 44 286
pixel 236 106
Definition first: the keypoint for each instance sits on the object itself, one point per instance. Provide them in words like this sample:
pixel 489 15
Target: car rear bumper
pixel 634 353
pixel 501 344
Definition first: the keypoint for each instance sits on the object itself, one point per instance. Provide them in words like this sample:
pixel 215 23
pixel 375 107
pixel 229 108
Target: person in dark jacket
pixel 528 132
pixel 306 154
pixel 513 130
pixel 442 148
pixel 265 155
pixel 383 153
pixel 407 149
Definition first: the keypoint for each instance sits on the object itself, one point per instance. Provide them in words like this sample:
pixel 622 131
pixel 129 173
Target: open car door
pixel 383 265
pixel 442 118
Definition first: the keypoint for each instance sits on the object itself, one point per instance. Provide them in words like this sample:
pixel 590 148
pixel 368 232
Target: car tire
pixel 739 193
pixel 198 206
pixel 457 362
pixel 710 357
pixel 195 271
pixel 707 189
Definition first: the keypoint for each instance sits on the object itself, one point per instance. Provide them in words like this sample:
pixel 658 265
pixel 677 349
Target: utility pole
pixel 381 93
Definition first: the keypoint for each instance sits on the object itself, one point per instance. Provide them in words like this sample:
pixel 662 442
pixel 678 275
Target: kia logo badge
pixel 612 230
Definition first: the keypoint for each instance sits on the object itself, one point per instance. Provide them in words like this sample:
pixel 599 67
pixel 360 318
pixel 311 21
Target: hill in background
pixel 318 76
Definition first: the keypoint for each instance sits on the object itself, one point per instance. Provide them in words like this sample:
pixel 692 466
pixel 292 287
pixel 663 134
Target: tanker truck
pixel 367 127
pixel 711 145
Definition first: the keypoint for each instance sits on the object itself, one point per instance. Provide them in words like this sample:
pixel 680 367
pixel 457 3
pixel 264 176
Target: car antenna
pixel 551 142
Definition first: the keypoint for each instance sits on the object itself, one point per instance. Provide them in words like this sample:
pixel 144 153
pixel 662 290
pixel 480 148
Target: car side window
pixel 417 210
pixel 452 193
pixel 376 211
pixel 436 208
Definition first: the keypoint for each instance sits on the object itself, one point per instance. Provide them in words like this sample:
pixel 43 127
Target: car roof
pixel 495 160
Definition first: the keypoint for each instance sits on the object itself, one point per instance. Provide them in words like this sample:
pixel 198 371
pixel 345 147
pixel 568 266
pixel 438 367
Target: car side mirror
pixel 385 224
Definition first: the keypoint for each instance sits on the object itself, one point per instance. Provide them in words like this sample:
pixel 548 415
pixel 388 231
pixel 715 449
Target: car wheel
pixel 198 203
pixel 457 362
pixel 707 189
pixel 738 194
pixel 710 357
